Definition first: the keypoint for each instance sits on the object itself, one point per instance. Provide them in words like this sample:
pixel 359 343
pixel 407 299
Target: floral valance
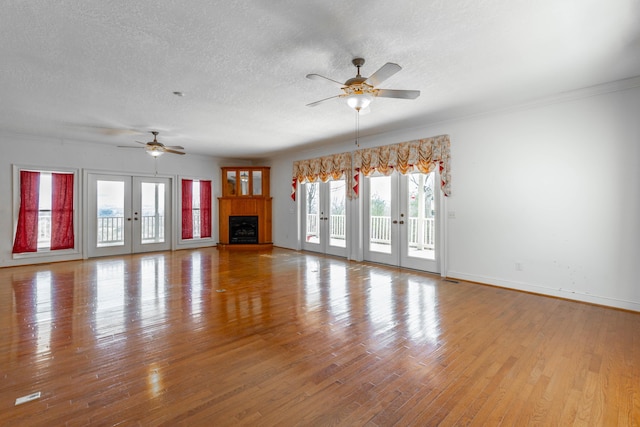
pixel 324 168
pixel 422 155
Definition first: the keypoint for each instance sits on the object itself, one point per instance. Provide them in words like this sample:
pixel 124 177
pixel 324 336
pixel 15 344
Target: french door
pixel 128 214
pixel 401 220
pixel 324 222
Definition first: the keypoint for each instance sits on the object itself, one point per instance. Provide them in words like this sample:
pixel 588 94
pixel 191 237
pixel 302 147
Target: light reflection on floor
pixel 422 321
pixel 381 301
pixel 144 292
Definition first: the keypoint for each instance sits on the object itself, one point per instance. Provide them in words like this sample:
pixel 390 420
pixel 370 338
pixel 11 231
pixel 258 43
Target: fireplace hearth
pixel 243 230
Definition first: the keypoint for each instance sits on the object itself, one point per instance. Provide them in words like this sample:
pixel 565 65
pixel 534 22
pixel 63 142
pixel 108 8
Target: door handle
pixel 395 222
pixel 401 222
pixel 128 219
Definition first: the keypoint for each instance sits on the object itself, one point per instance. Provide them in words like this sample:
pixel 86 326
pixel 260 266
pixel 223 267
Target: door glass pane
pixel 380 214
pixel 152 218
pixel 312 211
pixel 337 209
pixel 257 183
pixel 110 221
pixel 244 183
pixel 421 238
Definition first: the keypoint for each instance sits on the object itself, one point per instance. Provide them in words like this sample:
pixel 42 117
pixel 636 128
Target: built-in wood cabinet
pixel 245 182
pixel 245 196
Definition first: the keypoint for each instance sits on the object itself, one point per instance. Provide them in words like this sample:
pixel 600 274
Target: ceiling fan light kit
pixel 359 95
pixel 154 151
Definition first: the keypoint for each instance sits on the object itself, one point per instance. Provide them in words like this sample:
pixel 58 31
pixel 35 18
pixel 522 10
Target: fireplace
pixel 244 210
pixel 243 229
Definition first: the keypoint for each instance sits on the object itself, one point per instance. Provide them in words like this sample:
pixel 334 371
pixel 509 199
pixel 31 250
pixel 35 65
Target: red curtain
pixel 187 209
pixel 61 211
pixel 27 231
pixel 205 209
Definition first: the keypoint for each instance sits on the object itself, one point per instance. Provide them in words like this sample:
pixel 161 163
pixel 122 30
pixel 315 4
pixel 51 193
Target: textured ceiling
pixel 105 71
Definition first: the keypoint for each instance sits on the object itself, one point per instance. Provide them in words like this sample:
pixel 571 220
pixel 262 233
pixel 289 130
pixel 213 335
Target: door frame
pixel 170 210
pixel 324 204
pixel 399 205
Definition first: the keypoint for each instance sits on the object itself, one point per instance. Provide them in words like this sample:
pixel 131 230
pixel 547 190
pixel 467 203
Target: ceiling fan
pixel 155 148
pixel 359 91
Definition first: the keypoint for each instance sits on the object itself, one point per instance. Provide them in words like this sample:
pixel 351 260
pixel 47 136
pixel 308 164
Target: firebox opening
pixel 243 229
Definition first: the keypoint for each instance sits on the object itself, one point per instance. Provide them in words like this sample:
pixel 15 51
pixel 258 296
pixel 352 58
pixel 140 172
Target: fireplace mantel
pixel 245 192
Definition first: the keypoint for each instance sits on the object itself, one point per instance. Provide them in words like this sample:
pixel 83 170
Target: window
pixel 196 209
pixel 45 216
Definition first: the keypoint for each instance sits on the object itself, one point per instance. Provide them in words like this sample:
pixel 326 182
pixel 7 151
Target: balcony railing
pixel 111 229
pixel 337 228
pixel 152 228
pixel 196 223
pixel 44 229
pixel 421 231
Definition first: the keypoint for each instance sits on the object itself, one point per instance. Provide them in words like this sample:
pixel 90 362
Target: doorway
pixel 401 220
pixel 324 222
pixel 128 214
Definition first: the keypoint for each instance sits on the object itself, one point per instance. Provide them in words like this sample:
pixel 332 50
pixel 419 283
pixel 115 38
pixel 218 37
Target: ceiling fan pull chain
pixel 357 128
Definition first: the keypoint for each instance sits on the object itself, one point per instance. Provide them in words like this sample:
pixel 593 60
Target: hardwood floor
pixel 220 338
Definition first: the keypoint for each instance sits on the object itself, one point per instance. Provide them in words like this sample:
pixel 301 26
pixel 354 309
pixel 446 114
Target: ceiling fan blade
pixel 323 78
pixel 174 147
pixel 313 104
pixel 128 146
pixel 140 142
pixel 402 94
pixel 168 150
pixel 383 73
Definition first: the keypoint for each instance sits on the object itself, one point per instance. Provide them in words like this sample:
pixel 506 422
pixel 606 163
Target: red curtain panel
pixel 62 211
pixel 27 230
pixel 187 209
pixel 205 209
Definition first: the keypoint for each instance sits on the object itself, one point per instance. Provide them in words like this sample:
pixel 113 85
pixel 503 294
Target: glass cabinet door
pixel 231 183
pixel 244 183
pixel 257 183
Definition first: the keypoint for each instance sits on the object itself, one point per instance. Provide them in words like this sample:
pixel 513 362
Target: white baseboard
pixel 569 294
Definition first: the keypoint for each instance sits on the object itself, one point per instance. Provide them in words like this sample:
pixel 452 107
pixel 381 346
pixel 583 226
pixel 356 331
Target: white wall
pixel 50 153
pixel 553 187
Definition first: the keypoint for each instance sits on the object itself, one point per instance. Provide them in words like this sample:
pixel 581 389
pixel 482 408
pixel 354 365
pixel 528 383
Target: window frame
pixel 77 238
pixel 195 241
